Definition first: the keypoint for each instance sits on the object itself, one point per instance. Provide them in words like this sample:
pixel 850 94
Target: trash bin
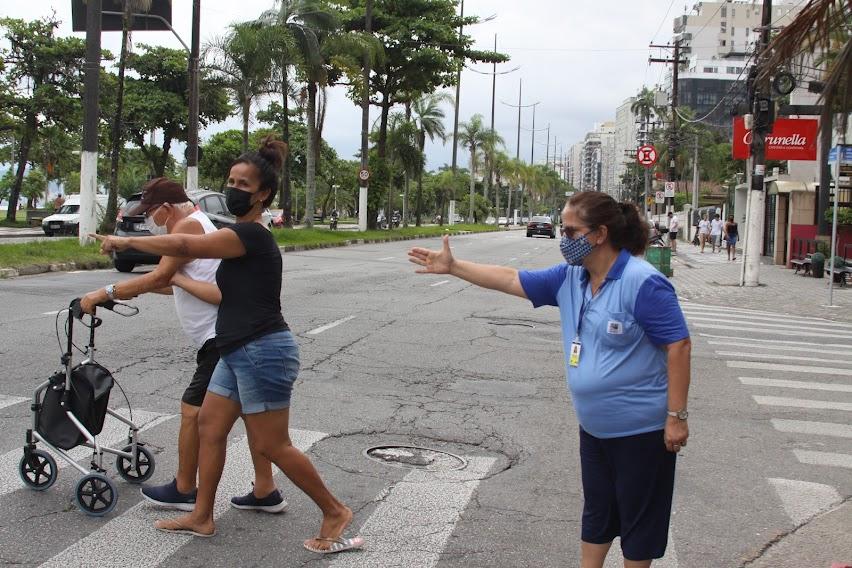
pixel 661 259
pixel 818 265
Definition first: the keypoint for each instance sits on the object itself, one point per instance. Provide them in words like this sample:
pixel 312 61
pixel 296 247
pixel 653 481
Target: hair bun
pixel 273 150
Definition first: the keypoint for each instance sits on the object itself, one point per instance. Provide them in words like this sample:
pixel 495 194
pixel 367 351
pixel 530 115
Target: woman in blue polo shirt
pixel 627 358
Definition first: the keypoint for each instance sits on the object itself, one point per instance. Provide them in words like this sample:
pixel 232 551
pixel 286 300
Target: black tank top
pixel 732 230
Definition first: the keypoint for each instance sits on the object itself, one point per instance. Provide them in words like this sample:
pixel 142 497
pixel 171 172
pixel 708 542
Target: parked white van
pixel 66 221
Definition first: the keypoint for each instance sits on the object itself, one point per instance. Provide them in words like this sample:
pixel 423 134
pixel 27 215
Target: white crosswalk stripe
pixel 786 354
pixel 11 400
pixel 130 539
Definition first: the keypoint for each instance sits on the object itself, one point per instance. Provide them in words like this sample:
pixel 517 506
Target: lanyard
pixel 585 304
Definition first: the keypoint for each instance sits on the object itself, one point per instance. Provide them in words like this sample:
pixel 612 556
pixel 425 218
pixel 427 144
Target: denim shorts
pixel 260 374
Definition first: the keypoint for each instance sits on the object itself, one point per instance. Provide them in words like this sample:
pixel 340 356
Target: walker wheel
pixel 38 469
pixel 144 465
pixel 95 495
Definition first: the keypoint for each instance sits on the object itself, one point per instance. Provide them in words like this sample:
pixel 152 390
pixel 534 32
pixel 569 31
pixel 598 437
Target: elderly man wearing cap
pixel 167 209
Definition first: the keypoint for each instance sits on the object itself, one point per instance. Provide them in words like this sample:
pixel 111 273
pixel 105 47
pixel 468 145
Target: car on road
pixel 212 203
pixel 541 225
pixel 502 221
pixel 66 219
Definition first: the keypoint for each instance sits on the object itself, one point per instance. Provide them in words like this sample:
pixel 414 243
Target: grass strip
pixel 318 237
pixel 44 253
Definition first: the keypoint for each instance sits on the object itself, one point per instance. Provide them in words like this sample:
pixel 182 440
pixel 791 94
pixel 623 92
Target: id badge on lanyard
pixel 574 354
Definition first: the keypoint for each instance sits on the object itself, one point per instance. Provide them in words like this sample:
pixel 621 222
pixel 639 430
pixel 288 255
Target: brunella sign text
pixel 790 139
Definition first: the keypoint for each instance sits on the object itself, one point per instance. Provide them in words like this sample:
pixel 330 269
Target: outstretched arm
pixel 500 278
pixel 223 243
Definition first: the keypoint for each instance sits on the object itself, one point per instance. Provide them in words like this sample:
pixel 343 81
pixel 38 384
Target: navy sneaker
pixel 272 503
pixel 168 497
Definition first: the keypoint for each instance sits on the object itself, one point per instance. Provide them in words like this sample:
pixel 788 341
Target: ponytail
pixel 627 230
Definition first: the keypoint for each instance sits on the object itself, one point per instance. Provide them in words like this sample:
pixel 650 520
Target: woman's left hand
pixel 675 434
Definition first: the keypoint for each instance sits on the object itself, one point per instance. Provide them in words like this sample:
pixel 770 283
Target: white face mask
pixel 154 228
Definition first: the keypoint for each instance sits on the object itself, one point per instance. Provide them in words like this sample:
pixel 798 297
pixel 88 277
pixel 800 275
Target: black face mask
pixel 238 201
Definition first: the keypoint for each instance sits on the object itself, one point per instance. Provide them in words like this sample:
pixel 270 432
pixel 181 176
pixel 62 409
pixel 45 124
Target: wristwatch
pixel 679 414
pixel 110 291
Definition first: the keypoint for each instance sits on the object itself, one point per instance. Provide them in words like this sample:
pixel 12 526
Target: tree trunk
pixel 472 169
pixel 381 147
pixel 108 223
pixel 285 199
pixel 509 202
pixel 497 201
pixel 163 159
pixel 246 114
pixel 23 156
pixel 310 162
pixel 419 203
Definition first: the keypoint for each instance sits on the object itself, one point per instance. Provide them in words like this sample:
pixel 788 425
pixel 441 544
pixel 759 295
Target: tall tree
pixel 294 39
pixel 472 134
pixel 404 153
pixel 42 81
pixel 429 117
pixel 158 99
pixel 492 143
pixel 241 61
pixel 116 138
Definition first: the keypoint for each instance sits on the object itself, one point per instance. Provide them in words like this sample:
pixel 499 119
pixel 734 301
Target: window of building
pixel 731 70
pixel 723 42
pixel 733 12
pixel 705 99
pixel 724 11
pixel 709 69
pixel 732 30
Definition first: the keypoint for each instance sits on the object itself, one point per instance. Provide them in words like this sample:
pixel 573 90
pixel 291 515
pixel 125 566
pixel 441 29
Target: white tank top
pixel 197 317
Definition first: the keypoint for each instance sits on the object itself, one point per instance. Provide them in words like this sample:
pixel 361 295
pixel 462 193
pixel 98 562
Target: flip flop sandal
pixel 184 531
pixel 337 545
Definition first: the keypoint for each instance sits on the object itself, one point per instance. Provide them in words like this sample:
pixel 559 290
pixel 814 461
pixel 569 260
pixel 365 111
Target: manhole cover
pixel 415 457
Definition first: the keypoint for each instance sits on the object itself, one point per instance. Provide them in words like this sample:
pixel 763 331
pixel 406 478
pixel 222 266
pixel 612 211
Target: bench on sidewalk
pixel 801 257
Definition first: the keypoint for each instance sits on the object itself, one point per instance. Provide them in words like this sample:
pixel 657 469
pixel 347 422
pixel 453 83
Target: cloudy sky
pixel 579 59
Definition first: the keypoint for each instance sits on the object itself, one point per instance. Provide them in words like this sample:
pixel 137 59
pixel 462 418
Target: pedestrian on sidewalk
pixel 259 356
pixel 731 237
pixel 627 353
pixel 716 233
pixel 674 227
pixel 703 231
pixel 168 210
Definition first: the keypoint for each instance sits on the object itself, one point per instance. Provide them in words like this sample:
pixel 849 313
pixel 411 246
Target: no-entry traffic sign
pixel 646 155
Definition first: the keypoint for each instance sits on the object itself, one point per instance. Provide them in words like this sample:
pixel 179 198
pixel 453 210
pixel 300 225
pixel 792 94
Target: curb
pixel 30 270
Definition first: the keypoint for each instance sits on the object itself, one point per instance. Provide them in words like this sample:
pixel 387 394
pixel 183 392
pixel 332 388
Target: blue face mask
pixel 575 250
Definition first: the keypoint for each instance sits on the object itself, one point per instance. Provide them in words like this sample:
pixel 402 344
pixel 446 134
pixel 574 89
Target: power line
pixel 663 21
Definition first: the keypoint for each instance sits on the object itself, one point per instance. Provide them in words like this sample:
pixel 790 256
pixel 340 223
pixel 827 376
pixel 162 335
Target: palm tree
pixel 130 7
pixel 293 24
pixel 241 58
pixel 498 166
pixel 491 144
pixel 514 172
pixel 403 151
pixel 472 134
pixel 644 106
pixel 429 118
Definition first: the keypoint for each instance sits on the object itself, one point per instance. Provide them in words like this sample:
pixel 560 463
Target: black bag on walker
pixel 90 387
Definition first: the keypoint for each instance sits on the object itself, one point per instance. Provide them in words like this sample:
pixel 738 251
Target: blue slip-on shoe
pixel 272 503
pixel 168 496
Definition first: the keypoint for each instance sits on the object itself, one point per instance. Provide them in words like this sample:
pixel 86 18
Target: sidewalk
pixel 710 278
pixel 15 233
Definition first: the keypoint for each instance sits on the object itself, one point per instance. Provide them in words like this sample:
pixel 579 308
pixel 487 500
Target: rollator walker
pixel 69 410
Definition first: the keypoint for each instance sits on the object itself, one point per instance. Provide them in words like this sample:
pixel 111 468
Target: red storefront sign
pixel 790 139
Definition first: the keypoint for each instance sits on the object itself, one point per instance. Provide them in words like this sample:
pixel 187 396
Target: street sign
pixel 846 155
pixel 364 174
pixel 660 197
pixel 669 189
pixel 646 155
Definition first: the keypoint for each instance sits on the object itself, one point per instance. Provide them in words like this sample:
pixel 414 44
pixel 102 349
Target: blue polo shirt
pixel 620 386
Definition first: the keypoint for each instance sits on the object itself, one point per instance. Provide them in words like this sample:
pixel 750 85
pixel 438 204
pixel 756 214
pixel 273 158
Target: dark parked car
pixel 211 203
pixel 541 225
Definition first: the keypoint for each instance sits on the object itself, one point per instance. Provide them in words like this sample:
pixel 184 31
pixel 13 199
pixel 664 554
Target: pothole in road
pixel 415 457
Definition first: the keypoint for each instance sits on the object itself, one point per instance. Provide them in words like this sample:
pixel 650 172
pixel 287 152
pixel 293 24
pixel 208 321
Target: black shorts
pixel 627 485
pixel 206 360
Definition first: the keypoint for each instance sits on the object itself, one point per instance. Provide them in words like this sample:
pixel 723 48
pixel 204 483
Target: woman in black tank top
pixel 259 356
pixel 731 237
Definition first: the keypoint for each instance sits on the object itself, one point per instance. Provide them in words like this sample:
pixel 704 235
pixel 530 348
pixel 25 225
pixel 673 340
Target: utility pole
pixel 458 95
pixel 192 130
pixel 762 118
pixel 547 149
pixel 365 125
pixel 89 155
pixel 676 62
pixel 695 182
pixel 518 147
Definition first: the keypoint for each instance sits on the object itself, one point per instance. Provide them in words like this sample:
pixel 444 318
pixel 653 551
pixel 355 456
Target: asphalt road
pixel 390 357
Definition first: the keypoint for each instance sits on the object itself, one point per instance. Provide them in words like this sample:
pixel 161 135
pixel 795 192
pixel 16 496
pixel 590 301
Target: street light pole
pixel 192 130
pixel 89 154
pixel 365 125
